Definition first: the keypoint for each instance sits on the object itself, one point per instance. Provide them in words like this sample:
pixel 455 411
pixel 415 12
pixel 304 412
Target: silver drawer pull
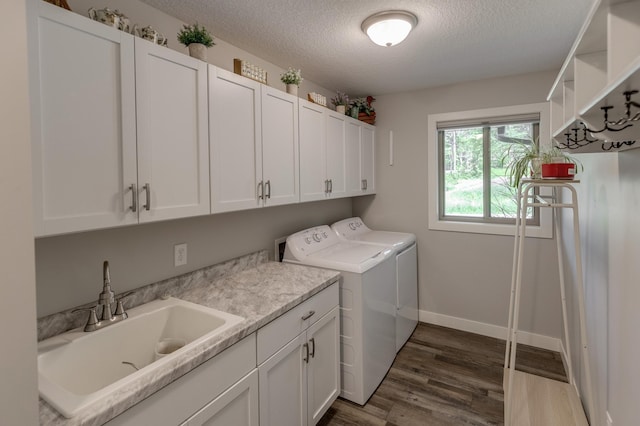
pixel 147 190
pixel 306 356
pixel 134 197
pixel 313 347
pixel 308 315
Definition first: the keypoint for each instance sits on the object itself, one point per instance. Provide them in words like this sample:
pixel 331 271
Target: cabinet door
pixel 173 144
pixel 234 126
pixel 283 386
pixel 237 406
pixel 352 158
pixel 336 155
pixel 83 122
pixel 312 151
pixel 280 161
pixel 367 159
pixel 323 373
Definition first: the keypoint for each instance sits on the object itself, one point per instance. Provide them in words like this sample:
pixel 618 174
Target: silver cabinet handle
pixel 308 315
pixel 134 197
pixel 260 191
pixel 363 185
pixel 366 184
pixel 147 190
pixel 267 187
pixel 306 355
pixel 313 347
pixel 330 185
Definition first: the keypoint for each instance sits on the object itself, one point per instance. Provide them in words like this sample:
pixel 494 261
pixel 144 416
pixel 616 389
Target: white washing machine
pixel 367 304
pixel 404 247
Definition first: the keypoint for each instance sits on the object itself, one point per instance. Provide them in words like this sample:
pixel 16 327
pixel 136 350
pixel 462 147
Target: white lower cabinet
pixel 300 378
pixel 222 391
pixel 237 406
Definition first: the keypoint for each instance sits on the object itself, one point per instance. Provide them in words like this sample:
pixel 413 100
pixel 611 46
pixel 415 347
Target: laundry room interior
pixel 383 254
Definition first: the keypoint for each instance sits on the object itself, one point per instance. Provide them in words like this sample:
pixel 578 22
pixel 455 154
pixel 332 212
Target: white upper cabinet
pixel 83 122
pixel 119 127
pixel 254 143
pixel 360 158
pixel 173 143
pixel 352 158
pixel 313 181
pixel 367 159
pixel 235 140
pixel 336 154
pixel 280 162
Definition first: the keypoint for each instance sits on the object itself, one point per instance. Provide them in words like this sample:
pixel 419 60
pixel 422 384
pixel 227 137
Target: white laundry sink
pixel 78 368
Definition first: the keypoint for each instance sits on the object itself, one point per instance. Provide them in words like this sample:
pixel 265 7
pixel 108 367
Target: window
pixel 469 188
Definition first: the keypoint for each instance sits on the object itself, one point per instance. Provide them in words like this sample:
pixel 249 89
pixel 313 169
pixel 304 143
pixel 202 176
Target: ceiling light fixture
pixel 390 27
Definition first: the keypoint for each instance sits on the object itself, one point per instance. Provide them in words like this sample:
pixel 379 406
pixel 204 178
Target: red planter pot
pixel 558 171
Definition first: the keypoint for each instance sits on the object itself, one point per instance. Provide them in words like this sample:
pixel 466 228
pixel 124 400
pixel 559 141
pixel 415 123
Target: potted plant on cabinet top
pixel 362 109
pixel 340 101
pixel 292 78
pixel 527 160
pixel 197 38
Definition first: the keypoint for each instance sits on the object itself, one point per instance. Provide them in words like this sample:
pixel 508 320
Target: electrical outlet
pixel 180 254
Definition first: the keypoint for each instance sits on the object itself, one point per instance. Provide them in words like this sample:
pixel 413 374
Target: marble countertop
pixel 259 294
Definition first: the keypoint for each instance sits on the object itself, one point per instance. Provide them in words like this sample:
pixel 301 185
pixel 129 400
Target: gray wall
pixel 18 387
pixel 609 197
pixel 461 275
pixel 69 267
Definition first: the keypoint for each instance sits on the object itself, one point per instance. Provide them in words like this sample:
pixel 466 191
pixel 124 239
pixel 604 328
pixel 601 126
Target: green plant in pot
pixel 292 78
pixel 527 160
pixel 197 38
pixel 521 160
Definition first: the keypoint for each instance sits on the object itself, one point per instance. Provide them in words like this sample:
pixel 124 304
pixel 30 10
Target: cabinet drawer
pixel 278 332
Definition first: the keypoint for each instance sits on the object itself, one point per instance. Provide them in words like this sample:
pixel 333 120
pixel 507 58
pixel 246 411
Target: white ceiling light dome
pixel 390 27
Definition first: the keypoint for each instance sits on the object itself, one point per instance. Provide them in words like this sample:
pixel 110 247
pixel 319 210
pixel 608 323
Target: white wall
pixel 461 275
pixel 18 387
pixel 69 267
pixel 609 197
pixel 220 55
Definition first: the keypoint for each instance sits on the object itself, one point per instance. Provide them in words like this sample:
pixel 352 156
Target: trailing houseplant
pixel 527 160
pixel 197 38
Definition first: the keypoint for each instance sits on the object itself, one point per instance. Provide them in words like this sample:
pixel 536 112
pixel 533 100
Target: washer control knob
pixel 316 238
pixel 358 224
pixel 324 234
pixel 352 226
pixel 307 240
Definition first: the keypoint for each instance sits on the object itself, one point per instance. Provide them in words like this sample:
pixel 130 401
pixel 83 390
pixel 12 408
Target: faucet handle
pixel 120 312
pixel 92 321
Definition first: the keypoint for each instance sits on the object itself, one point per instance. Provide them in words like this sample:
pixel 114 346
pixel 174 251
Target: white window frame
pixel 543 230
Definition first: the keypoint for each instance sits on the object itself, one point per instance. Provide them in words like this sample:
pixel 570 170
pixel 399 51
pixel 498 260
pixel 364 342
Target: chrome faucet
pixel 106 300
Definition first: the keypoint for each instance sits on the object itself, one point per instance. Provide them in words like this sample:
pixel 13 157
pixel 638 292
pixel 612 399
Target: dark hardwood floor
pixel 444 376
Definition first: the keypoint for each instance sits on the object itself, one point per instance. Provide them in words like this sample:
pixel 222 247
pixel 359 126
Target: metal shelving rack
pixel 527 198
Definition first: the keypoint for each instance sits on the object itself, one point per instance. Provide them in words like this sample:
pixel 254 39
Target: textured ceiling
pixel 454 41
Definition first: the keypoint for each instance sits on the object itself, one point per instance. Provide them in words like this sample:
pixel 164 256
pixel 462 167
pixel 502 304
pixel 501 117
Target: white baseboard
pixel 491 330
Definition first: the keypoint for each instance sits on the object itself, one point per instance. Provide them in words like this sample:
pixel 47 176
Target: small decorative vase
pixel 354 112
pixel 340 109
pixel 292 89
pixel 198 51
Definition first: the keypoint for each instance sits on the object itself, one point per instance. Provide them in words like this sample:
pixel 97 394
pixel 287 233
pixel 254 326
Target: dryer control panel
pixel 350 227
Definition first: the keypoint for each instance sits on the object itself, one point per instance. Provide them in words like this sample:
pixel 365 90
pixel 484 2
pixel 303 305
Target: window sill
pixel 542 231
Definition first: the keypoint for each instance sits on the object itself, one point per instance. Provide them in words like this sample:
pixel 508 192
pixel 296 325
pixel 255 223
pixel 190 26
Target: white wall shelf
pixel 602 64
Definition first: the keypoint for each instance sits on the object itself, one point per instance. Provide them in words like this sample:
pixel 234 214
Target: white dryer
pixel 367 304
pixel 404 247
